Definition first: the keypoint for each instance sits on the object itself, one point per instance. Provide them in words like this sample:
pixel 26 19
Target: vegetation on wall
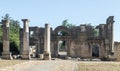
pixel 92 32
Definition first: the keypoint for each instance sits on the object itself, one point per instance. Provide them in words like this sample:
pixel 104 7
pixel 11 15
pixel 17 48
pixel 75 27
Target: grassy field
pixel 98 66
pixel 5 63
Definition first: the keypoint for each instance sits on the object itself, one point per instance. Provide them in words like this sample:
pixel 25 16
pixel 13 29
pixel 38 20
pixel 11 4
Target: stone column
pixel 6 46
pixel 26 50
pixel 38 48
pixel 112 39
pixel 68 43
pixel 55 48
pixel 47 53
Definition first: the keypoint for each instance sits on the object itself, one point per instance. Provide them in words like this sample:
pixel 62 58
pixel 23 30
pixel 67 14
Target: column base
pixel 6 55
pixel 47 56
pixel 25 55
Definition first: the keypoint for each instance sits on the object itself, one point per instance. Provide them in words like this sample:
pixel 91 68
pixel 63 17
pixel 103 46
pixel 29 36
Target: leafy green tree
pixel 6 17
pixel 14 32
pixel 67 24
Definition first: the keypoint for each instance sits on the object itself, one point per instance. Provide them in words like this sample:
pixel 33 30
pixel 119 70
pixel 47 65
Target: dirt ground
pixel 98 66
pixel 6 63
pixel 58 65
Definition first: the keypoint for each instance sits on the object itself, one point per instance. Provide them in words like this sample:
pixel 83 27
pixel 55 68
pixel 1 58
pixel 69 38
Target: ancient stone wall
pixel 81 41
pixel 116 50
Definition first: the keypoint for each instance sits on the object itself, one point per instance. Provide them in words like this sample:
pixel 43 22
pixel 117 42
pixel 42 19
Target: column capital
pixel 25 20
pixel 5 21
pixel 46 24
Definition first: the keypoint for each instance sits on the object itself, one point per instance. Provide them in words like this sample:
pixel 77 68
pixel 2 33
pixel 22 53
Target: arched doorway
pixel 95 51
pixel 61 34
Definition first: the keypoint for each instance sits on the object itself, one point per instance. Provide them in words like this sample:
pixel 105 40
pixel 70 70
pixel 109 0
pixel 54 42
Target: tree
pixel 6 17
pixel 67 24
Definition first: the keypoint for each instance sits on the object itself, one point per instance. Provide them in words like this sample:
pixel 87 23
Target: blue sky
pixel 55 11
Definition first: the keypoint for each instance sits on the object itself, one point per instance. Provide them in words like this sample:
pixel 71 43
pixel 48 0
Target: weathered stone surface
pixel 26 55
pixel 6 46
pixel 41 56
pixel 25 51
pixel 47 53
pixel 47 56
pixel 7 55
pixel 80 41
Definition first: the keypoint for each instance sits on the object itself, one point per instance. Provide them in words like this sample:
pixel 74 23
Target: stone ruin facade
pixel 80 41
pixel 84 41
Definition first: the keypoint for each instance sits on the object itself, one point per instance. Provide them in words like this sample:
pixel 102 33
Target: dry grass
pixel 98 66
pixel 5 63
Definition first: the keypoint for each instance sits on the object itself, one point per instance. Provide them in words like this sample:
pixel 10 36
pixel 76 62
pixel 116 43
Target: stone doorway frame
pixel 98 48
pixel 57 38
